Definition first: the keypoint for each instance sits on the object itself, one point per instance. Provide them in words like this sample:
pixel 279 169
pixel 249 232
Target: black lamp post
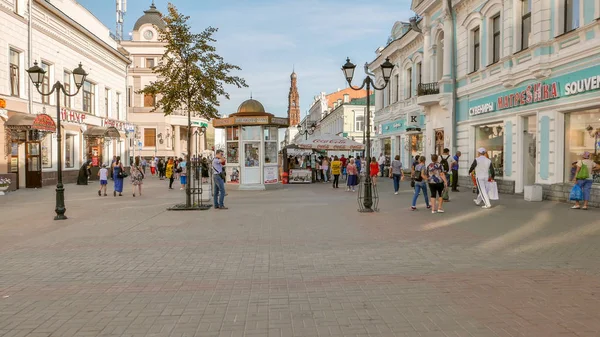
pixel 36 74
pixel 386 69
pixel 308 131
pixel 199 132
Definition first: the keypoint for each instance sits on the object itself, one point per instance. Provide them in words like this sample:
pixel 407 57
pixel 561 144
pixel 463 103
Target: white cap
pixel 482 150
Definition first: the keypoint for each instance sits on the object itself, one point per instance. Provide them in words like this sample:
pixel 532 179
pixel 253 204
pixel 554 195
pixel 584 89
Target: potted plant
pixel 4 185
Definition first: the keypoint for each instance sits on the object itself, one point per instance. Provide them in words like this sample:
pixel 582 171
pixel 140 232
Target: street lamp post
pixel 36 74
pixel 386 69
pixel 199 132
pixel 308 131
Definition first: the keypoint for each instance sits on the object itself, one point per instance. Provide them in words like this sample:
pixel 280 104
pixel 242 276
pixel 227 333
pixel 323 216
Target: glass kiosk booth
pixel 252 146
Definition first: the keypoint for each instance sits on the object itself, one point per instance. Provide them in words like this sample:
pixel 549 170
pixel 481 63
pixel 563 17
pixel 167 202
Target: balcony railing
pixel 428 89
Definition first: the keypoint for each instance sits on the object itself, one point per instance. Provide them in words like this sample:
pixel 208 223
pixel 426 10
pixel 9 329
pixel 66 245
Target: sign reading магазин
pixel 571 84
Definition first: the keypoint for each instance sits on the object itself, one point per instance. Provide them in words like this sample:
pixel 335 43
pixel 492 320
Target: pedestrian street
pixel 296 261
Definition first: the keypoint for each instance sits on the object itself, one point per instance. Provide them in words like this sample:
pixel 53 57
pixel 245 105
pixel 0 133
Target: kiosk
pixel 252 146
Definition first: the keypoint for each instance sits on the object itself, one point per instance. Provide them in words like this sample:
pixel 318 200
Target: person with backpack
pixel 420 180
pixel 484 172
pixel 436 178
pixel 584 178
pixel 445 164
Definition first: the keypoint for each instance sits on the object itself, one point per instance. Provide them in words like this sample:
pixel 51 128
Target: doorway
pixel 33 165
pixel 529 150
pixel 251 166
pixel 439 142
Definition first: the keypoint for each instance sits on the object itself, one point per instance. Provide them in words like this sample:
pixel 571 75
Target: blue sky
pixel 266 38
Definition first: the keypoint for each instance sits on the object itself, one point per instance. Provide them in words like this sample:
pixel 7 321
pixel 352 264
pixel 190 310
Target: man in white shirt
pixel 381 163
pixel 484 170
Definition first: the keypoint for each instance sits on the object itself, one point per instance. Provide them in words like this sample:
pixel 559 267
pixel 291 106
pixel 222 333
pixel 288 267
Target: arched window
pixel 440 56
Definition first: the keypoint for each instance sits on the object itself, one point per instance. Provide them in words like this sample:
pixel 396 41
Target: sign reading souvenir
pixel 43 122
pixel 481 109
pixel 535 93
pixel 271 174
pixel 581 86
pixel 72 116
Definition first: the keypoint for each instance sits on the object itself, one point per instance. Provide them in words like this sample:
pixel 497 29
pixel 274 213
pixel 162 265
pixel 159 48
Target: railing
pixel 428 89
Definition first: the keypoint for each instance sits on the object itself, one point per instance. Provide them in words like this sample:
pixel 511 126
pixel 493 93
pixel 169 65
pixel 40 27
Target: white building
pixel 157 134
pixel 58 35
pixel 518 77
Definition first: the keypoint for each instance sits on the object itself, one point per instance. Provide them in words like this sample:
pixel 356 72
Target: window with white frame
pixel 386 97
pixel 70 156
pixel 67 86
pixel 118 110
pixel 396 84
pixel 419 74
pixel 496 40
pixel 46 83
pixel 409 80
pixel 439 51
pixel 571 15
pixel 525 23
pixel 107 102
pixel 359 123
pixel 476 49
pixel 15 72
pixel 89 93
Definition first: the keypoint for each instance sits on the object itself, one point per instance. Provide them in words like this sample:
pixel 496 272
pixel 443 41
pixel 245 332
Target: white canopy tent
pixel 330 142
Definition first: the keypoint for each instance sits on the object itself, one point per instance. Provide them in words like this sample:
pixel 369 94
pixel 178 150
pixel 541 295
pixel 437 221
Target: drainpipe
pixel 453 76
pixel 29 53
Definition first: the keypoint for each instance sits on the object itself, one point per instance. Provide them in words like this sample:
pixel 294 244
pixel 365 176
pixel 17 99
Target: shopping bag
pixel 576 193
pixel 492 189
pixel 445 195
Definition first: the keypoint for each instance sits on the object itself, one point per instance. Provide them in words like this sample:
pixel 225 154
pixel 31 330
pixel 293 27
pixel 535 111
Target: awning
pixel 71 127
pixel 21 121
pixel 102 132
pixel 330 142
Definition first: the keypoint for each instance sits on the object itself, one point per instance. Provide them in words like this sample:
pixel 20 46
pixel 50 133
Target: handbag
pixel 492 189
pixel 446 195
pixel 412 183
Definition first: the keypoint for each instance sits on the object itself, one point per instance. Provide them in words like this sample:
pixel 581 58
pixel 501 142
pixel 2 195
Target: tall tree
pixel 191 75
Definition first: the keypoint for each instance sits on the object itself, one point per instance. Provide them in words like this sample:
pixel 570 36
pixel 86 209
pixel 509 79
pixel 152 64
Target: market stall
pixel 299 164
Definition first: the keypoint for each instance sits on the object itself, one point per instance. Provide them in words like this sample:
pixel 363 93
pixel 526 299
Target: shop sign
pixel 581 86
pixel 43 122
pixel 222 121
pixel 72 116
pixel 412 119
pixel 252 120
pixel 270 174
pixel 535 93
pixel 196 123
pixel 119 125
pixel 279 121
pixel 481 109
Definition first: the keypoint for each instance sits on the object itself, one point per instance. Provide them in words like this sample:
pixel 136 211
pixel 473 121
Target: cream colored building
pixel 156 134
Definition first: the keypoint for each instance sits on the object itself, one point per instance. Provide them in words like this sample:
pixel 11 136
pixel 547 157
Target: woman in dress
pixel 137 177
pixel 352 172
pixel 374 166
pixel 118 176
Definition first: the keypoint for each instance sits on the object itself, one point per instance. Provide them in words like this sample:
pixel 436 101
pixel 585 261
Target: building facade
pixel 520 78
pixel 157 134
pixel 59 35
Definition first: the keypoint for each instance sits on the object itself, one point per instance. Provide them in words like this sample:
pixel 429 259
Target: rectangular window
pixel 525 23
pixel 476 50
pixel 46 83
pixel 418 74
pixel 129 97
pixel 496 39
pixel 67 85
pixel 149 137
pixel 582 134
pixel 118 111
pixel 149 100
pixel 88 97
pixel 409 88
pixel 571 15
pixel 396 87
pixel 359 123
pixel 14 72
pixel 150 63
pixel 491 137
pixel 107 102
pixel 69 151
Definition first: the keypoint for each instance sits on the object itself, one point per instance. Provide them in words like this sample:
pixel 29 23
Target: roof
pixel 151 16
pixel 251 107
pixel 363 100
pixel 332 98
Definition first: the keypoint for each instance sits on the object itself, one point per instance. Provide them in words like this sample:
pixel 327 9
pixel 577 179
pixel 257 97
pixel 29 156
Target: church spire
pixel 293 100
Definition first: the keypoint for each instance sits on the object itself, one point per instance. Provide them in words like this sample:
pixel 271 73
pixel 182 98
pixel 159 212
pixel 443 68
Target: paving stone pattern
pixel 298 261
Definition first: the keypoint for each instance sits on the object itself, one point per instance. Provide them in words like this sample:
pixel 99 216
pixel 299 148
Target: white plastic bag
pixel 492 189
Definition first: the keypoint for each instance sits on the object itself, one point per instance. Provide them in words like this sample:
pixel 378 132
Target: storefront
pixel 405 137
pixel 533 133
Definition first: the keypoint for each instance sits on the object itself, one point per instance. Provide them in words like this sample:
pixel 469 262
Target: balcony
pixel 428 94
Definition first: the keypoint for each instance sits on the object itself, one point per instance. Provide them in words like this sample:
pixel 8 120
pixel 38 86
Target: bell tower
pixel 293 102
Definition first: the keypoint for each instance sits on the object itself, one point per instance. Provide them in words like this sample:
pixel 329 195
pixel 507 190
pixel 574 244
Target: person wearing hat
pixel 484 171
pixel 584 178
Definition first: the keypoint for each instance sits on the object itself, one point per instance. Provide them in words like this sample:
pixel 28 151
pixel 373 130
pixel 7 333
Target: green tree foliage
pixel 191 74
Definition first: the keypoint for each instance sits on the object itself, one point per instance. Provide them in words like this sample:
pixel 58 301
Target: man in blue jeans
pixel 218 176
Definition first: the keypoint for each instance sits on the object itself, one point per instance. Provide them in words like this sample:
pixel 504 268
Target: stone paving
pixel 298 261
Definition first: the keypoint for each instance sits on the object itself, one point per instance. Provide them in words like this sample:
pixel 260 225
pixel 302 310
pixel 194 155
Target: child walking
pixel 103 175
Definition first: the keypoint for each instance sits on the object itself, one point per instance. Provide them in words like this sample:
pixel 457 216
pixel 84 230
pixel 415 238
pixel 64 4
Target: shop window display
pixel 233 135
pixel 491 137
pixel 47 151
pixel 582 133
pixel 270 152
pixel 69 151
pixel 251 158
